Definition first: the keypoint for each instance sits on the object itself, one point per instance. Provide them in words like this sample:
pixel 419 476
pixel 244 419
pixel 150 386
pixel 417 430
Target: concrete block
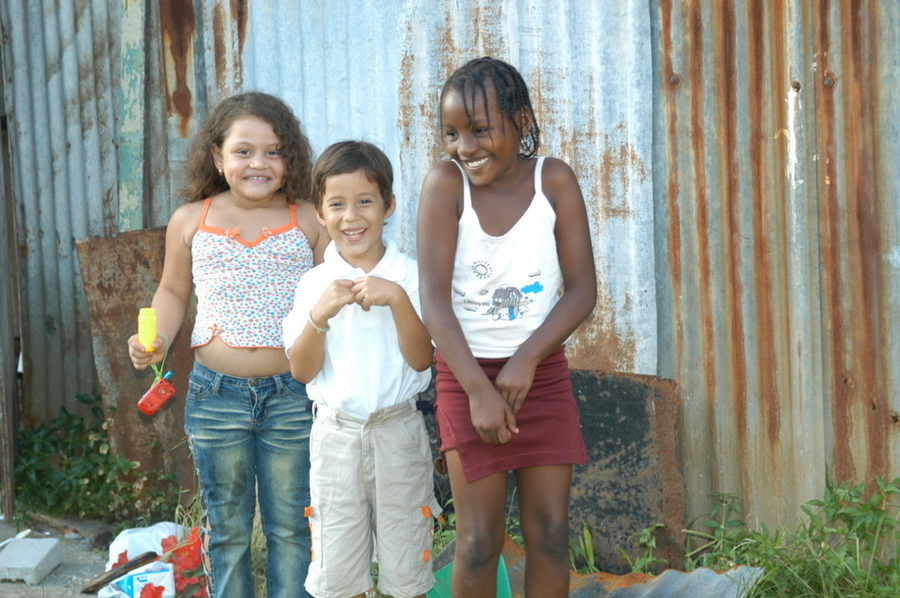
pixel 30 559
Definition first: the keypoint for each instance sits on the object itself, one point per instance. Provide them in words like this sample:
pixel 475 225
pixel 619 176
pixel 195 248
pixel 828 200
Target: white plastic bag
pixel 138 540
pixel 133 543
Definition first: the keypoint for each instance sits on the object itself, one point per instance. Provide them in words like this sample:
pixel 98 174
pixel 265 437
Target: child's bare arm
pixel 307 353
pixel 576 258
pixel 437 230
pixel 415 342
pixel 174 292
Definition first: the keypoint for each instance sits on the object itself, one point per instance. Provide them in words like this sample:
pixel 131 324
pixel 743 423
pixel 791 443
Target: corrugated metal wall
pixel 58 62
pixel 777 237
pixel 735 158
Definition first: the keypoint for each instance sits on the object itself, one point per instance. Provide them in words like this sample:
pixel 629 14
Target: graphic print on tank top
pixel 505 302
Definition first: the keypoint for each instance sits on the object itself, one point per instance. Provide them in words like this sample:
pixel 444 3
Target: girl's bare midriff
pixel 242 362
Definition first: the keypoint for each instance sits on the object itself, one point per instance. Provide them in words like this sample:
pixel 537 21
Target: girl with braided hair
pixel 506 275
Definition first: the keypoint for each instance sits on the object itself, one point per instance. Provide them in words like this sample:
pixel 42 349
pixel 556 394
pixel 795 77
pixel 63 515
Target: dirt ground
pixel 81 562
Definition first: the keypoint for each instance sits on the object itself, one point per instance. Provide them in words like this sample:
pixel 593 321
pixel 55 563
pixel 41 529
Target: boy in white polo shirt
pixel 356 338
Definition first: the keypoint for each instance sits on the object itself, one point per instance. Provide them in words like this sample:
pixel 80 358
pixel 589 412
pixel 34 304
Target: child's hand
pixel 141 359
pixel 337 294
pixel 493 418
pixel 514 381
pixel 372 290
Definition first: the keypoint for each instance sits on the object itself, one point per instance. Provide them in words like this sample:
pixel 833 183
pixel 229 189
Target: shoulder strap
pixel 467 194
pixel 538 188
pixel 206 203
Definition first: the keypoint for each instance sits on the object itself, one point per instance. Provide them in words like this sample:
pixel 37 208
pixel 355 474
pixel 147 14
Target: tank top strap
pixel 206 203
pixel 467 194
pixel 538 188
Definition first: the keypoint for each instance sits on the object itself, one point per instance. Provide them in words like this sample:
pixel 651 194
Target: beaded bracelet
pixel 319 329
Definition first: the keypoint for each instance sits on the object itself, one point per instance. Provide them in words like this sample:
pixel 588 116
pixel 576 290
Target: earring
pixel 220 172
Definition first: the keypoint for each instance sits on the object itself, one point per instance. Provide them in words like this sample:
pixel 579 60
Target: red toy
pixel 161 391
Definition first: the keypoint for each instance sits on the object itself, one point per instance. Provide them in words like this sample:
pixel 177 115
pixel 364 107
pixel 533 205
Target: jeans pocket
pixel 199 387
pixel 295 388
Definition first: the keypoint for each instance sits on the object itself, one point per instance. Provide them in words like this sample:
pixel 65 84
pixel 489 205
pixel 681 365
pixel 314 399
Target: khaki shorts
pixel 371 485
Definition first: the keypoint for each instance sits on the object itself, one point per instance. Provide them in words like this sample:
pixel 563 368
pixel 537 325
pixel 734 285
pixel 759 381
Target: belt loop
pixel 279 383
pixel 216 383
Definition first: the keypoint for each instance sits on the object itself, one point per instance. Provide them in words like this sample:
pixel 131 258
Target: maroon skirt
pixel 549 428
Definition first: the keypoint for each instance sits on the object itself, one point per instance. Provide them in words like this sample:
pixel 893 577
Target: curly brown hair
pixel 203 176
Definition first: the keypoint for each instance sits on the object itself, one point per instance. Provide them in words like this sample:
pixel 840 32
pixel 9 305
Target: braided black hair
pixel 511 91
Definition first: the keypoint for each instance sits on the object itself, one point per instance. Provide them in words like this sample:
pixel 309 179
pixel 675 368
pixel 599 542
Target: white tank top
pixel 504 287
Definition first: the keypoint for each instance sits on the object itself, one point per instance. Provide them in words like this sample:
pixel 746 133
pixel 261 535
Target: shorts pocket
pixel 416 437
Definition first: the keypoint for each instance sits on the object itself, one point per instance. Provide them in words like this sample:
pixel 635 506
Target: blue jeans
pixel 250 436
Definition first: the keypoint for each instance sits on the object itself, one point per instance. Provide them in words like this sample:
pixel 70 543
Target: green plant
pixel 716 546
pixel 846 545
pixel 581 552
pixel 444 529
pixel 646 540
pixel 67 468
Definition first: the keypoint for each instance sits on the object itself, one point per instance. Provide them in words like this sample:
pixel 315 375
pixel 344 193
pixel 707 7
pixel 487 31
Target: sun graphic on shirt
pixel 481 269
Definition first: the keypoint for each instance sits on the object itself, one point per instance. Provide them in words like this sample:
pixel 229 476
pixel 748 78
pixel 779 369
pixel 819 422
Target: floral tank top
pixel 245 288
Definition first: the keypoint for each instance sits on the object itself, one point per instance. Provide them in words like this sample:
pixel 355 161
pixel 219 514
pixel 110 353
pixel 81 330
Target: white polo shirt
pixel 364 370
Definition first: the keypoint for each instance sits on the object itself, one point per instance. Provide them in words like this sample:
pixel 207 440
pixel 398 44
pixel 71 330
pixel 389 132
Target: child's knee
pixel 551 538
pixel 479 549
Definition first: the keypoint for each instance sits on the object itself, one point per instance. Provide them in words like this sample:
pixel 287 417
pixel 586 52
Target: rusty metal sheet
pixel 120 273
pixel 700 583
pixel 633 479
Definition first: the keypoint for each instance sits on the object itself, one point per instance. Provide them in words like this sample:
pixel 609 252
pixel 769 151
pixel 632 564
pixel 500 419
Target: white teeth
pixel 476 163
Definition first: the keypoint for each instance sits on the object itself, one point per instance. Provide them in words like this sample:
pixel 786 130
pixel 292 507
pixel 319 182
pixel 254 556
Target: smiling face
pixel 250 161
pixel 481 138
pixel 353 211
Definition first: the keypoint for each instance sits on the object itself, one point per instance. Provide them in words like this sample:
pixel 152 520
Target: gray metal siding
pixel 58 59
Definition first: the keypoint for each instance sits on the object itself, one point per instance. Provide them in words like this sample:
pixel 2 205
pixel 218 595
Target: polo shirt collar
pixel 382 269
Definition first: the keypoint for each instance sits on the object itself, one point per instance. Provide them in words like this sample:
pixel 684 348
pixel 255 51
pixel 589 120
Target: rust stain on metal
pixel 860 66
pixel 596 344
pixel 227 51
pixel 673 190
pixel 850 222
pixel 697 128
pixel 727 92
pixel 178 23
pixel 765 207
pixel 619 168
pixel 832 266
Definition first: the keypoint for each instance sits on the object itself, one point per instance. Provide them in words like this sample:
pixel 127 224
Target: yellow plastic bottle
pixel 147 327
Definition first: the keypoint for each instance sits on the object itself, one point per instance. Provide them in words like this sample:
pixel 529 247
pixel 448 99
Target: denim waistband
pixel 379 418
pixel 218 379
